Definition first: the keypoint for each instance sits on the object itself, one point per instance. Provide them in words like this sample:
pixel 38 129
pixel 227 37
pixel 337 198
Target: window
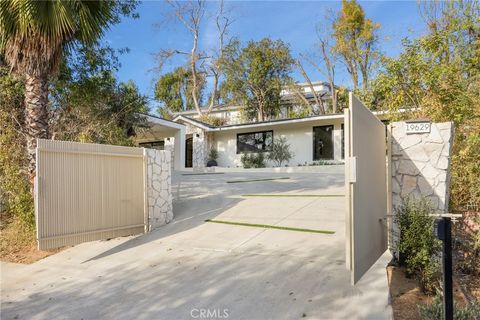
pixel 254 141
pixel 159 145
pixel 343 141
pixel 323 143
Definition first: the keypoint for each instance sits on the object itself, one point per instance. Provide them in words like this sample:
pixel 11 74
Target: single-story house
pixel 311 139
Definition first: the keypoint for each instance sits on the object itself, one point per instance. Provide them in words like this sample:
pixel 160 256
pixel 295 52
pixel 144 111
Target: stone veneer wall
pixel 421 164
pixel 159 190
pixel 199 153
pixel 169 145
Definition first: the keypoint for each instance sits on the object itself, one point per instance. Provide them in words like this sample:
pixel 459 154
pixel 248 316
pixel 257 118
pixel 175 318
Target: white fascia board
pixel 192 122
pixel 274 123
pixel 165 123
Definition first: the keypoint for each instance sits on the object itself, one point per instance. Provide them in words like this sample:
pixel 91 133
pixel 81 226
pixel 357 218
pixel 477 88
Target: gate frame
pixel 350 181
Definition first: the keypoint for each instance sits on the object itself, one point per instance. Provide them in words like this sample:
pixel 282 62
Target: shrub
pixel 465 187
pixel 14 185
pixel 253 160
pixel 280 151
pixel 418 246
pixel 213 154
pixel 467 243
pixel 434 311
pixel 214 121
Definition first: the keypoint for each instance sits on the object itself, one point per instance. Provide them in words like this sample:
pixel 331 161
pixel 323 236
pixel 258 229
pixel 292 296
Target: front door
pixel 323 143
pixel 188 152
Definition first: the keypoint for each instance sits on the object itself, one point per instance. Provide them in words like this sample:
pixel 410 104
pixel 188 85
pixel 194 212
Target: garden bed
pixel 406 295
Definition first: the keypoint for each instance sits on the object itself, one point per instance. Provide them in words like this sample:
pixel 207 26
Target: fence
pixel 87 192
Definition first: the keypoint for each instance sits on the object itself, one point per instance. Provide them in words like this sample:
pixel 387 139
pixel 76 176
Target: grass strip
pixel 267 226
pixel 295 195
pixel 257 180
pixel 201 174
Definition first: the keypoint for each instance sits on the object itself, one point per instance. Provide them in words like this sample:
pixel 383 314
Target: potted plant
pixel 212 158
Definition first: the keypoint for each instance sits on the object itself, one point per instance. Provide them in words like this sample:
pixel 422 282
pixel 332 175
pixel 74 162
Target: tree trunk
pixel 193 66
pixel 36 116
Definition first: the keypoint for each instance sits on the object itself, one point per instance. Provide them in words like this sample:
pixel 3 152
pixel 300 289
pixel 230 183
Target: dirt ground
pixel 18 245
pixel 406 295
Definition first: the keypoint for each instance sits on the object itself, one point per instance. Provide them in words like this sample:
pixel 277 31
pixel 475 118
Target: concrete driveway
pixel 192 269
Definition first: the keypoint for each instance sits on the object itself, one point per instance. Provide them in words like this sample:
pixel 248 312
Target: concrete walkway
pixel 192 269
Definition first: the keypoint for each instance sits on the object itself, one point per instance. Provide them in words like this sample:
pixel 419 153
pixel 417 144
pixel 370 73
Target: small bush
pixel 213 154
pixel 418 246
pixel 280 151
pixel 253 160
pixel 214 121
pixel 434 311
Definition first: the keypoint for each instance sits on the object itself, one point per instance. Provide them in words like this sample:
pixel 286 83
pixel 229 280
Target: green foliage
pixel 434 310
pixel 418 245
pixel 42 30
pixel 355 39
pixel 14 186
pixel 253 160
pixel 174 90
pixel 280 151
pixel 213 154
pixel 438 77
pixel 88 103
pixel 465 173
pixel 214 121
pixel 255 75
pixel 467 243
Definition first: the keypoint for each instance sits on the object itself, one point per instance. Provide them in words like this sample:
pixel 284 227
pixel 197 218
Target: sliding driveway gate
pixel 87 192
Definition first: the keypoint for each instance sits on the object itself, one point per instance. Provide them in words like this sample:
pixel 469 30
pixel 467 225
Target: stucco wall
pixel 421 164
pixel 299 136
pixel 159 192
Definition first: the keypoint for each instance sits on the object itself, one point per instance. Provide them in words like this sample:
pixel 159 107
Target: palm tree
pixel 33 38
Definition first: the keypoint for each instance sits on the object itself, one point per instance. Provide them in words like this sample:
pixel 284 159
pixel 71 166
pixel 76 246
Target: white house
pixel 311 139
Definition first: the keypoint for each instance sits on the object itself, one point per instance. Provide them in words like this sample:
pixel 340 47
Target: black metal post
pixel 447 270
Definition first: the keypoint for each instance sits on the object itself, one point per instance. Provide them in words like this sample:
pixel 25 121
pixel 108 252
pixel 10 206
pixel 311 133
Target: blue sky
pixel 292 21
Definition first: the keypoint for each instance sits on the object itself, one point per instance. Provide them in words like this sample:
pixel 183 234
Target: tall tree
pixel 191 14
pixel 173 90
pixel 88 104
pixel 256 74
pixel 33 38
pixel 355 39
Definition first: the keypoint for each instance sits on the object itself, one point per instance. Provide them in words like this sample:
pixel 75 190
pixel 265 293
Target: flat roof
pixel 210 128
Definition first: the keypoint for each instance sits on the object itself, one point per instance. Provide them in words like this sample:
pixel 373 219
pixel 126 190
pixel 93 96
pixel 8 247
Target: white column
pixel 179 149
pixel 337 142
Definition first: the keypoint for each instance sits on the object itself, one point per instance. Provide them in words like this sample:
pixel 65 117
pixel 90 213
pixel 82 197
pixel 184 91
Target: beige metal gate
pixel 366 188
pixel 87 192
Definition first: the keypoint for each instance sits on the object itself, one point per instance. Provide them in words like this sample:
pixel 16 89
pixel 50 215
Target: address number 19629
pixel 418 127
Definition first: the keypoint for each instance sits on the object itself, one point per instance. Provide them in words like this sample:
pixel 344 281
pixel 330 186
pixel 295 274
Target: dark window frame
pixel 313 142
pixel 150 144
pixel 253 132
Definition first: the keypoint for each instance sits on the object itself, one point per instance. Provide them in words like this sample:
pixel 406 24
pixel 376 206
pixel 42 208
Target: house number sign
pixel 418 127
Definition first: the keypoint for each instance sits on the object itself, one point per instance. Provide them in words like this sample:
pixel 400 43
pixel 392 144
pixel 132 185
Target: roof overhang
pixel 158 128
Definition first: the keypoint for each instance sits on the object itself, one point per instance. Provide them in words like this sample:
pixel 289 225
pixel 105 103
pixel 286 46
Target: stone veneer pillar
pixel 159 192
pixel 421 164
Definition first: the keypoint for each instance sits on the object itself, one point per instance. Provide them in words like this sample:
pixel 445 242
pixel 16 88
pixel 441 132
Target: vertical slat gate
pixel 87 192
pixel 366 188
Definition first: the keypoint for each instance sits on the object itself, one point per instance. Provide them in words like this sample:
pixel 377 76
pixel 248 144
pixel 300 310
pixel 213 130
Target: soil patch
pixel 406 295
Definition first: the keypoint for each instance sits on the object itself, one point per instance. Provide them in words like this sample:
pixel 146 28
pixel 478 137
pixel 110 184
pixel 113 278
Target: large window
pixel 159 145
pixel 323 143
pixel 254 141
